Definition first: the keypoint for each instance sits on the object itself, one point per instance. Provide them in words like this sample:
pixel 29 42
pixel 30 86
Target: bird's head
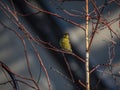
pixel 66 35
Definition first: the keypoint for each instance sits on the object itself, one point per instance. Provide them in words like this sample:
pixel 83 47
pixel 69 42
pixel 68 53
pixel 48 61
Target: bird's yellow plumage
pixel 65 42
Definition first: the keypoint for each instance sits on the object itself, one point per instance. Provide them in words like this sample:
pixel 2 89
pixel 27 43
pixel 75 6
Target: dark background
pixel 50 29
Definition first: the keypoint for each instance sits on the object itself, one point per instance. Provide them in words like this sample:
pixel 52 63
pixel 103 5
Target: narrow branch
pixel 12 76
pixel 42 64
pixel 81 83
pixel 68 66
pixel 87 47
pixel 54 14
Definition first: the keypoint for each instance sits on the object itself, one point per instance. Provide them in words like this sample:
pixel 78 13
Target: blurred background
pixel 50 29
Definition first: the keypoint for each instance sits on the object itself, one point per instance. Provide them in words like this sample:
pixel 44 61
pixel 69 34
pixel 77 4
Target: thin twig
pixel 56 15
pixel 68 66
pixel 87 48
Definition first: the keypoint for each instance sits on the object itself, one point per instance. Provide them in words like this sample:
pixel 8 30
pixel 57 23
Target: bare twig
pixel 56 15
pixel 87 48
pixel 68 66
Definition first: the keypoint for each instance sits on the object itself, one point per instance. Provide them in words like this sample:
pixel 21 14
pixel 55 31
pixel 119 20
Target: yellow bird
pixel 65 42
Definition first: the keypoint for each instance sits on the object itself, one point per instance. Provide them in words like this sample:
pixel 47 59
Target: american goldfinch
pixel 65 42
